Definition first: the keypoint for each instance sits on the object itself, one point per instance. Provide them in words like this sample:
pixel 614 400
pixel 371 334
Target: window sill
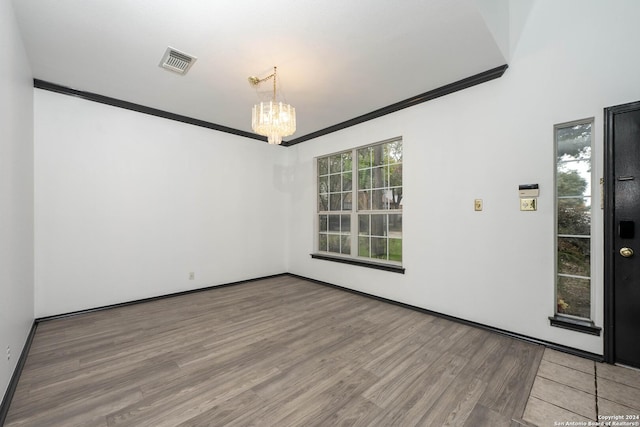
pixel 379 266
pixel 576 325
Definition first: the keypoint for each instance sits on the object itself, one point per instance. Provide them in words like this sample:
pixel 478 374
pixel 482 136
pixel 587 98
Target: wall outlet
pixel 192 276
pixel 8 353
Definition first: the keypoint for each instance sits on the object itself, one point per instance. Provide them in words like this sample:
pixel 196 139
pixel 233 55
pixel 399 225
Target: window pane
pixel 378 225
pixel 574 178
pixel 346 245
pixel 574 216
pixel 378 248
pixel 380 199
pixel 574 142
pixel 363 224
pixel 322 242
pixel 346 181
pixel 364 157
pixel 346 161
pixel 574 296
pixel 395 249
pixel 323 202
pixel 395 198
pixel 334 202
pixel 335 183
pixel 377 153
pixel 574 256
pixel 378 177
pixel 395 225
pixel 323 167
pixel 334 243
pixel 363 246
pixel 364 179
pixel 334 223
pixel 323 184
pixel 323 223
pixel 346 201
pixel 345 221
pixel 335 163
pixel 393 151
pixel 395 175
pixel 364 200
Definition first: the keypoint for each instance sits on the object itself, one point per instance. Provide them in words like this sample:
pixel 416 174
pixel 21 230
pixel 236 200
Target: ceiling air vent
pixel 176 61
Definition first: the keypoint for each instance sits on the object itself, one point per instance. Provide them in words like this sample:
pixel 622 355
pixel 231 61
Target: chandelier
pixel 272 119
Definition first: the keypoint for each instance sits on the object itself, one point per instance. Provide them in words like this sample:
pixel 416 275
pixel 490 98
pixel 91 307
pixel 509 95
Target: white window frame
pixel 592 197
pixel 353 212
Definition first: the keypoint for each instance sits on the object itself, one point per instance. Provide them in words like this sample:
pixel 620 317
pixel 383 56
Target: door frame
pixel 610 227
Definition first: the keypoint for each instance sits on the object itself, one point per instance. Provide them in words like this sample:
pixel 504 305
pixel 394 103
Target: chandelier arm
pixel 255 81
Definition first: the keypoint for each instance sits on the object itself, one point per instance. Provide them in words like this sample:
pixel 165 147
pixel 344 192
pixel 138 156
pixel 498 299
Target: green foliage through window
pixel 362 187
pixel 573 219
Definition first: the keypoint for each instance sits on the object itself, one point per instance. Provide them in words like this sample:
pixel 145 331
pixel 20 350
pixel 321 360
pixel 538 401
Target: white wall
pixel 127 205
pixel 16 194
pixel 496 267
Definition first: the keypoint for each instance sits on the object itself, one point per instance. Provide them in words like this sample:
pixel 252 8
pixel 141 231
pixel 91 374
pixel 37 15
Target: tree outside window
pixel 360 193
pixel 573 219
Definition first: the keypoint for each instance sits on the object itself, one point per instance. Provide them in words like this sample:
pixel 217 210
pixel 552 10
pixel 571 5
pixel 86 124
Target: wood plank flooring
pixel 276 352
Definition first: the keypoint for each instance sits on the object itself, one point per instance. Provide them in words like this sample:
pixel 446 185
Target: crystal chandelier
pixel 272 119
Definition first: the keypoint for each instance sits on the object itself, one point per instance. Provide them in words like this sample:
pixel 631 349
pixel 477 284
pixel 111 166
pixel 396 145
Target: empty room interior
pixel 202 213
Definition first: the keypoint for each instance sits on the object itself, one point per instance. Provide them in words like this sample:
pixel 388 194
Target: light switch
pixel 477 205
pixel 528 204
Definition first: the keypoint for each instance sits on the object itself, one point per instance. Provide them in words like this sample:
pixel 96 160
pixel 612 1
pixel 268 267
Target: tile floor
pixel 570 390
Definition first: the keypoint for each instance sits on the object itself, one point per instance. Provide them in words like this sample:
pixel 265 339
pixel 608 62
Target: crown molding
pixel 459 85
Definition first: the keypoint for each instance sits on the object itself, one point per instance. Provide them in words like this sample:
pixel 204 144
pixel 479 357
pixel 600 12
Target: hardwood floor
pixel 276 352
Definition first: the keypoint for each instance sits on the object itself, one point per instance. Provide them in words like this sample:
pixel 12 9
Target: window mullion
pixel 355 225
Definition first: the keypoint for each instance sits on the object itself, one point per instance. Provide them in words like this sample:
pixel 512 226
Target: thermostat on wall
pixel 529 190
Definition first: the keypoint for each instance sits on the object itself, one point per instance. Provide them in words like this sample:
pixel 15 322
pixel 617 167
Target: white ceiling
pixel 336 59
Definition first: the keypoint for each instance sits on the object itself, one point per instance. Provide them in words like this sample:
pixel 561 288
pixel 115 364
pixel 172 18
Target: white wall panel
pixel 127 205
pixel 495 267
pixel 16 194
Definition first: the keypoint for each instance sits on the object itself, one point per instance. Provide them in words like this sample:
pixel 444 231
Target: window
pixel 573 219
pixel 360 203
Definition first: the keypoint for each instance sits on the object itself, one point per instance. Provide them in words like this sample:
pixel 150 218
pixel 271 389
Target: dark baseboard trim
pixel 41 84
pixel 351 261
pixel 548 344
pixel 13 383
pixel 468 82
pixel 150 299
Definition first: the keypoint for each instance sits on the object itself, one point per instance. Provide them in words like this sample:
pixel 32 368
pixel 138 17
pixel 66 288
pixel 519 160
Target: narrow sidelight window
pixel 573 219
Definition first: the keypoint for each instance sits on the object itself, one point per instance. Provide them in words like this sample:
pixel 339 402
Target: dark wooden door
pixel 622 234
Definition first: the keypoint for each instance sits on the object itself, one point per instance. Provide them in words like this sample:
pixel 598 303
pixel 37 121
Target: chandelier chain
pixel 255 81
